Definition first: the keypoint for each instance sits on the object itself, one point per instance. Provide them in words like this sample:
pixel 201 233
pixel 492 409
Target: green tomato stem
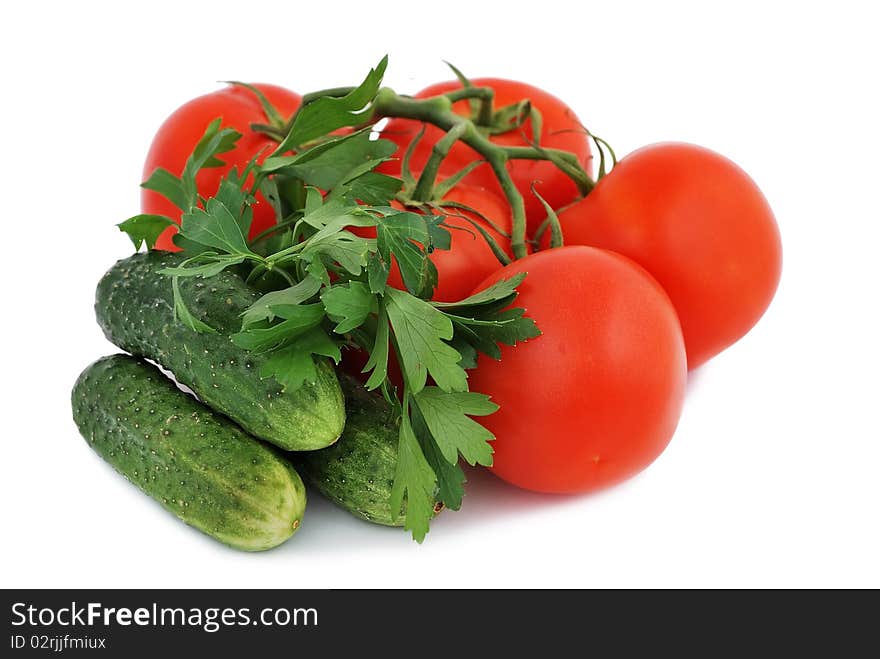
pixel 499 253
pixel 425 187
pixel 275 133
pixel 486 97
pixel 438 112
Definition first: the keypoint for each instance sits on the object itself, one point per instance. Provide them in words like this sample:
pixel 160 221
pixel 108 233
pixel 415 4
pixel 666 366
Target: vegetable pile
pixel 366 289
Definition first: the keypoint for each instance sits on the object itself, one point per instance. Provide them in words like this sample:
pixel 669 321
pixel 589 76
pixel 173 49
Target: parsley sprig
pixel 325 288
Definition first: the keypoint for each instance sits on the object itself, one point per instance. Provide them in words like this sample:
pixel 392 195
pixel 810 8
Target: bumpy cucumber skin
pixel 197 464
pixel 134 307
pixel 357 472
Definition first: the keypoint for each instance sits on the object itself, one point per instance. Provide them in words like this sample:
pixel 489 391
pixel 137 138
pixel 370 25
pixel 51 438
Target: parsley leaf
pixel 326 114
pixel 370 188
pixel 285 194
pixel 337 161
pixel 216 227
pixel 484 333
pixel 486 319
pixel 169 186
pixel 439 236
pixel 450 477
pixel 145 229
pixel 182 191
pixel 297 320
pixel 420 330
pixel 346 249
pixel 183 314
pixel 334 216
pixel 467 351
pixel 378 360
pixel 277 302
pixel 294 364
pixel 214 264
pixel 447 416
pixel 214 142
pixel 415 479
pixel 348 305
pixel 378 270
pixel 236 199
pixel 499 291
pixel 406 236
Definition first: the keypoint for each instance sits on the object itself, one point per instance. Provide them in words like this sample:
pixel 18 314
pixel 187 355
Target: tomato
pixel 596 397
pixel 560 129
pixel 178 135
pixel 700 226
pixel 470 259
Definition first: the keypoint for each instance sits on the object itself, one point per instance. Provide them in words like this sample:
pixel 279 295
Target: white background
pixel 773 478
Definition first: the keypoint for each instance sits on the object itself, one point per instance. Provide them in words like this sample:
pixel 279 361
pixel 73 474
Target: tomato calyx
pixel 480 99
pixel 552 222
pixel 276 124
pixel 606 154
pixel 482 113
pixel 602 147
pixel 272 114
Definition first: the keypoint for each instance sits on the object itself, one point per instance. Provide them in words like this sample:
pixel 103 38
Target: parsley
pixel 292 365
pixel 447 416
pixel 182 191
pixel 145 229
pixel 349 305
pixel 327 114
pixel 421 331
pixel 325 287
pixel 415 480
pixel 276 302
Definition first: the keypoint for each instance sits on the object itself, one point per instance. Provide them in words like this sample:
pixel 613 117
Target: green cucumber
pixel 135 308
pixel 196 463
pixel 357 472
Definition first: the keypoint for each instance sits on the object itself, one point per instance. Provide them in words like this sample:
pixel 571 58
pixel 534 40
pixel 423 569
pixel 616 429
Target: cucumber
pixel 134 306
pixel 196 463
pixel 357 472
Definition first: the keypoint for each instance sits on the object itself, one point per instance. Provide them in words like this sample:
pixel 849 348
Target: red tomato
pixel 561 129
pixel 700 226
pixel 176 138
pixel 470 259
pixel 595 398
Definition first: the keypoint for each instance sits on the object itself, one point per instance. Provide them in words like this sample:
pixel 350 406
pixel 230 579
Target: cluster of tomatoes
pixel 673 256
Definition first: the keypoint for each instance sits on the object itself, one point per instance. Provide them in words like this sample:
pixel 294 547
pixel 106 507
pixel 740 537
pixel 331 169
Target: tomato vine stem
pixel 276 134
pixel 438 112
pixel 425 186
pixel 486 97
